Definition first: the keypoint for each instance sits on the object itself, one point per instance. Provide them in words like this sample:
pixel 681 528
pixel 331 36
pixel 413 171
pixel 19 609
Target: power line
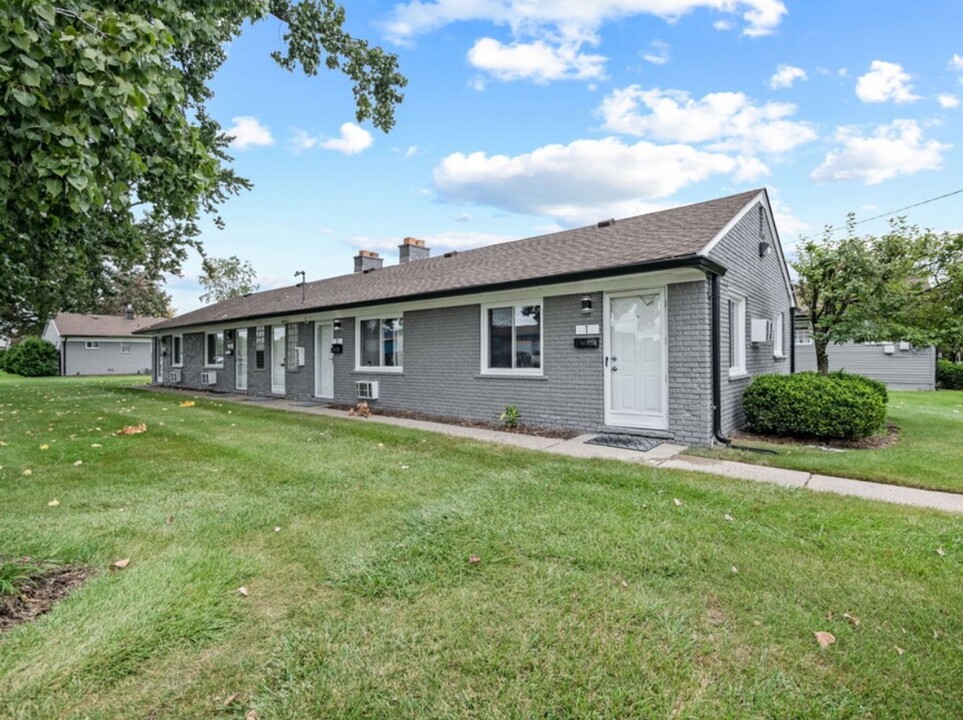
pixel 885 214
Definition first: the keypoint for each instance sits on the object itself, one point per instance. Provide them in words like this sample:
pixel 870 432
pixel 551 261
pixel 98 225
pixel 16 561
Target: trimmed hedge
pixel 34 357
pixel 949 375
pixel 875 385
pixel 810 405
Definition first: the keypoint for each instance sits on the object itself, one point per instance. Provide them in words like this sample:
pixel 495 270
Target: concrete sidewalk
pixel 665 455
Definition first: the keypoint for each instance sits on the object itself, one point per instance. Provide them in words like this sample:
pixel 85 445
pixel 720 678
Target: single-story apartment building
pixel 101 344
pixel 652 325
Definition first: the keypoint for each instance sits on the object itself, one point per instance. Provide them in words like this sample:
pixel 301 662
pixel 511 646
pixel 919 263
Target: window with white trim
pixel 92 345
pixel 380 343
pixel 177 351
pixel 125 348
pixel 512 338
pixel 214 349
pixel 804 337
pixel 737 336
pixel 259 347
pixel 777 348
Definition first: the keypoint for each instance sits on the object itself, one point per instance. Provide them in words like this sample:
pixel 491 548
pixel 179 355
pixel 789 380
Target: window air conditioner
pixel 367 389
pixel 761 330
pixel 209 377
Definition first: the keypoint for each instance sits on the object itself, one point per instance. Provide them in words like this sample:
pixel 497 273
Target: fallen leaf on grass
pixel 277 528
pixel 728 517
pixel 852 619
pixel 242 591
pixel 26 473
pixel 121 564
pixel 169 519
pixel 251 715
pixel 53 503
pixel 133 429
pixel 474 559
pixel 678 503
pixel 78 463
pixel 824 639
pixel 899 650
pixel 187 403
pixel 230 699
pixel 940 551
pixel 44 447
pixel 96 445
pixel 735 570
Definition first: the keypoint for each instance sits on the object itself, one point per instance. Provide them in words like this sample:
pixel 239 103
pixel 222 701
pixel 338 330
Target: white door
pixel 636 385
pixel 324 363
pixel 277 360
pixel 240 362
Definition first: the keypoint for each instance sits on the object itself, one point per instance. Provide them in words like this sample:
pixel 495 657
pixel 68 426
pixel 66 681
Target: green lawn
pixel 928 454
pixel 597 595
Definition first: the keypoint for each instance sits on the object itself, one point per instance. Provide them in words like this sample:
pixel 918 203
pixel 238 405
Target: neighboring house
pixel 652 324
pixel 101 344
pixel 898 364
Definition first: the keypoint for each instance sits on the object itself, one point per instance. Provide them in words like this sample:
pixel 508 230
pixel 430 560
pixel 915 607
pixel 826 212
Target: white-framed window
pixel 737 336
pixel 804 337
pixel 177 351
pixel 125 348
pixel 511 335
pixel 380 343
pixel 214 349
pixel 777 342
pixel 92 345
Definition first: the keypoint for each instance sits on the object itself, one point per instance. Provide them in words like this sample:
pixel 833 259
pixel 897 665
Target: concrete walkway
pixel 665 455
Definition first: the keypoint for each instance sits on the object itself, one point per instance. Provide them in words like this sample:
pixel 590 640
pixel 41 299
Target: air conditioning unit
pixel 300 358
pixel 903 345
pixel 367 389
pixel 761 330
pixel 174 376
pixel 209 377
pixel 889 349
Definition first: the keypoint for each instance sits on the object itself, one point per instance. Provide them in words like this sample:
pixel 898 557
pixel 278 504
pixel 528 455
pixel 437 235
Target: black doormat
pixel 626 442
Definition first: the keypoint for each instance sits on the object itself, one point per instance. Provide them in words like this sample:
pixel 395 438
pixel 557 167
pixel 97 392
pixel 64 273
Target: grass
pixel 927 455
pixel 596 596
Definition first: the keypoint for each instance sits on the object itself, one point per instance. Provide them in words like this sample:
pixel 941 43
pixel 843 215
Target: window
pixel 177 351
pixel 125 348
pixel 214 349
pixel 777 349
pixel 381 343
pixel 512 338
pixel 804 337
pixel 92 345
pixel 292 350
pixel 737 337
pixel 259 347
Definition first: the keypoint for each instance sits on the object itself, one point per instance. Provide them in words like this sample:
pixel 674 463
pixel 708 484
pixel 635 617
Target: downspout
pixel 63 357
pixel 792 340
pixel 716 358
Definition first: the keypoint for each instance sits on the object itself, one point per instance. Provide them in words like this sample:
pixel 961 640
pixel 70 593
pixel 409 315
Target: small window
pixel 737 337
pixel 125 348
pixel 214 354
pixel 380 343
pixel 292 336
pixel 259 347
pixel 804 337
pixel 512 338
pixel 92 345
pixel 777 349
pixel 177 351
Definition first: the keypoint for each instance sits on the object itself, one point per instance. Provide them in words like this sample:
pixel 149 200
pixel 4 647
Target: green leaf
pixel 24 98
pixel 79 182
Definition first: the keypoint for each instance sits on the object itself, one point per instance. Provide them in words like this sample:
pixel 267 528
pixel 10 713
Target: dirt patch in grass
pixel 873 442
pixel 38 593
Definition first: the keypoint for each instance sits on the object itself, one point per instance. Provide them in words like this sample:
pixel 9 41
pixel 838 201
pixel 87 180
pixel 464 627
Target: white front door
pixel 636 386
pixel 240 363
pixel 277 360
pixel 324 363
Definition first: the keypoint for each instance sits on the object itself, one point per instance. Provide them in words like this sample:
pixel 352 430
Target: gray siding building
pixel 900 365
pixel 651 325
pixel 101 344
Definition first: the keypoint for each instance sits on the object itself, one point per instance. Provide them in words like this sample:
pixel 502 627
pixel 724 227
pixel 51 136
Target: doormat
pixel 626 442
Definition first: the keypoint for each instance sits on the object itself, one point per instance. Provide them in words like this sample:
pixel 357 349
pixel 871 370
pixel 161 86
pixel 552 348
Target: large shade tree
pixel 108 155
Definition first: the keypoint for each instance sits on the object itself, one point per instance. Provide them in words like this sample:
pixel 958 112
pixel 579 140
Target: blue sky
pixel 522 117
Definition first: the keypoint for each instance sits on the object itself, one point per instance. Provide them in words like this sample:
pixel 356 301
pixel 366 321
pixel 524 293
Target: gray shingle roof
pixel 669 234
pixel 78 325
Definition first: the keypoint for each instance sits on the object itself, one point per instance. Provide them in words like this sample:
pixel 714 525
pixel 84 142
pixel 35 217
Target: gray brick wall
pixel 690 368
pixel 761 282
pixel 108 359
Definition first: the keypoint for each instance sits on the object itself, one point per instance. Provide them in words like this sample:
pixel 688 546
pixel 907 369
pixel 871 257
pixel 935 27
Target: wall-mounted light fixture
pixel 764 249
pixel 586 305
pixel 337 324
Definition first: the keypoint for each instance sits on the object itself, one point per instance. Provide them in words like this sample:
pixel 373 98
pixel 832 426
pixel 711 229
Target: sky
pixel 523 117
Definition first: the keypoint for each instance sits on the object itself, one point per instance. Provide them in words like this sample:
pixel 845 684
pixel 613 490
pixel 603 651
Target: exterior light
pixel 337 325
pixel 586 305
pixel 764 249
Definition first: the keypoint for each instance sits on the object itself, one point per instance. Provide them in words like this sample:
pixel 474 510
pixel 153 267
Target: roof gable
pixel 80 325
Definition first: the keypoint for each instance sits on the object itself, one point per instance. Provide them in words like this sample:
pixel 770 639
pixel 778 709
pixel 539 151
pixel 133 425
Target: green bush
pixel 949 375
pixel 810 405
pixel 875 385
pixel 3 354
pixel 34 357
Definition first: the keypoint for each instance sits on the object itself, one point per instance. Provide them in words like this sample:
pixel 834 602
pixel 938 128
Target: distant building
pixel 101 344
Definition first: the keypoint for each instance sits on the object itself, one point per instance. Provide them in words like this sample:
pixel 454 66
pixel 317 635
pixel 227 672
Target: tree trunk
pixel 822 356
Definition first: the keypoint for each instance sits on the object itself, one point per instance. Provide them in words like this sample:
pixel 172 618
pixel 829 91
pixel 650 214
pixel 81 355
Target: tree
pixel 904 285
pixel 104 127
pixel 225 278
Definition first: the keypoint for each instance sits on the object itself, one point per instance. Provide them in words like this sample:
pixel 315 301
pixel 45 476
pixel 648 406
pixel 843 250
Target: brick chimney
pixel 367 260
pixel 412 249
pixel 129 312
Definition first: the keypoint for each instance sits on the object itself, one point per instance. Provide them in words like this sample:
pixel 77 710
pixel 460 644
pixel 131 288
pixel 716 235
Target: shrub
pixel 875 385
pixel 810 405
pixel 3 354
pixel 34 357
pixel 949 375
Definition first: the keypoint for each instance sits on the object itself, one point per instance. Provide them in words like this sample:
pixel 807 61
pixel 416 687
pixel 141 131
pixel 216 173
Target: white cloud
pixel 411 152
pixel 538 61
pixel 248 131
pixel 408 20
pixel 586 179
pixel 722 25
pixel 727 120
pixel 477 83
pixel 956 62
pixel 895 149
pixel 657 54
pixel 301 140
pixel 463 217
pixel 353 140
pixel 788 225
pixel 947 101
pixel 785 76
pixel 885 81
